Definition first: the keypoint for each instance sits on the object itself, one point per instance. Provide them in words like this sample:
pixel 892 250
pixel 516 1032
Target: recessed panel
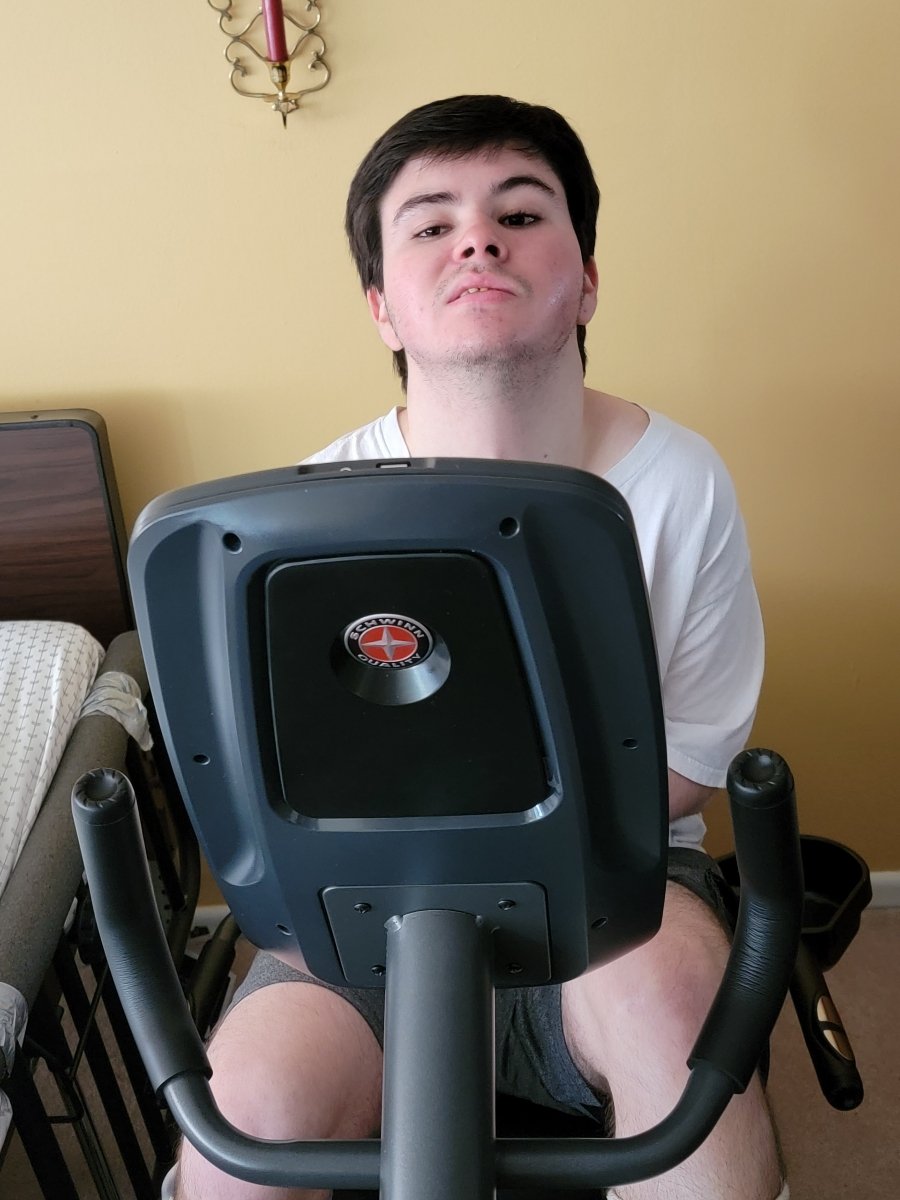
pixel 397 689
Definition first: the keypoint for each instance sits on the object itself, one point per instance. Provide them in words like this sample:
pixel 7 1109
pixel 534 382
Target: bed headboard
pixel 62 538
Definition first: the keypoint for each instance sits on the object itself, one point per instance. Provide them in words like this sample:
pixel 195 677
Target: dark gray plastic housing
pixel 537 759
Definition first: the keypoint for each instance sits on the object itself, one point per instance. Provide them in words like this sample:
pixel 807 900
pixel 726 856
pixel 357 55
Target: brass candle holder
pixel 245 27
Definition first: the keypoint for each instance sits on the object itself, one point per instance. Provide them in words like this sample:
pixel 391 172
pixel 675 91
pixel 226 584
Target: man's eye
pixel 430 231
pixel 518 219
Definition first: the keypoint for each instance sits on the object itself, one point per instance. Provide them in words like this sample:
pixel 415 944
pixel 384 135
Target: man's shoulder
pixel 672 460
pixel 678 489
pixel 380 438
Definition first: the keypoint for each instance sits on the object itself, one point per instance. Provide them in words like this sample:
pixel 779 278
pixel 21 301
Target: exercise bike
pixel 413 708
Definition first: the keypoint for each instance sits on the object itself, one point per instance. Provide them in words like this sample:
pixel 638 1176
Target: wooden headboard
pixel 62 538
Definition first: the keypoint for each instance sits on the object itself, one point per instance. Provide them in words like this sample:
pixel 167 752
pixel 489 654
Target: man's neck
pixel 497 416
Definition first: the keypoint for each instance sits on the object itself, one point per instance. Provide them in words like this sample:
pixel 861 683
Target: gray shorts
pixel 532 1060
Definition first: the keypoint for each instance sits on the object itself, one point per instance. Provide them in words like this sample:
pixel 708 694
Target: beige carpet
pixel 830 1155
pixel 847 1156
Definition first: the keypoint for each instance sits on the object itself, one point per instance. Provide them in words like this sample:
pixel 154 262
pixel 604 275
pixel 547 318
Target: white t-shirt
pixel 706 618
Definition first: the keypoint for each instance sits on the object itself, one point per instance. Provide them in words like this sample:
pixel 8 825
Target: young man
pixel 472 223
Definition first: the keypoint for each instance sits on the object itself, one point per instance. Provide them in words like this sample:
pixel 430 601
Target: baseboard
pixel 209 916
pixel 886 889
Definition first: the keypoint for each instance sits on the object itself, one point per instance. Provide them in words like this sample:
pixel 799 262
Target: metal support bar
pixel 101 1068
pixel 162 1139
pixel 37 1134
pixel 46 1034
pixel 438 1116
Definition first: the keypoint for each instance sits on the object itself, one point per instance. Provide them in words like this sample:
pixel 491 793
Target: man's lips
pixel 481 287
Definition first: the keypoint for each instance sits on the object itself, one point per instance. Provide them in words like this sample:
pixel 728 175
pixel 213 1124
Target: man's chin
pixel 486 358
pixel 485 354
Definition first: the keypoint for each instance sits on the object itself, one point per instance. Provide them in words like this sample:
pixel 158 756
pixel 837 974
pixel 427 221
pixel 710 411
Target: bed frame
pixel 62 537
pixel 62 546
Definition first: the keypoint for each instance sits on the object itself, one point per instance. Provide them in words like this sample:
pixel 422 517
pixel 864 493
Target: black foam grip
pixel 109 833
pixel 824 1034
pixel 764 951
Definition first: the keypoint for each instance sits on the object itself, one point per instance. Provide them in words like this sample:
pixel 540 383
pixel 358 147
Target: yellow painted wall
pixel 174 259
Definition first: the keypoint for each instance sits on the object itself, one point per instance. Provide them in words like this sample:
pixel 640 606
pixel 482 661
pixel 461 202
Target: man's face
pixel 481 263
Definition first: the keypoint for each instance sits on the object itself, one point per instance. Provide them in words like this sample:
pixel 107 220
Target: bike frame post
pixel 438 1119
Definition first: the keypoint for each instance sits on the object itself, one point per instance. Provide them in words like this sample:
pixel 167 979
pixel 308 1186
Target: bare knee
pixel 630 1027
pixel 653 1000
pixel 290 1061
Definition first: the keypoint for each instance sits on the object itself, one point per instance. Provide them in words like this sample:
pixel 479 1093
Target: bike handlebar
pixel 722 1062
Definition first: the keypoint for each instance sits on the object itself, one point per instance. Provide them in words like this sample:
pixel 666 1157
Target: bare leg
pixel 631 1025
pixel 290 1061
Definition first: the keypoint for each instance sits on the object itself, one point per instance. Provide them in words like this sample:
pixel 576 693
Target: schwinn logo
pixel 388 640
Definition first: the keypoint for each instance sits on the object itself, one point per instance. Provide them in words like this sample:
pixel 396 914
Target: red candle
pixel 273 14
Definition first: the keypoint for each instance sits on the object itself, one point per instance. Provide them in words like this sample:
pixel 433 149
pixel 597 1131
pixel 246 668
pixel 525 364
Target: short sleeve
pixel 706 617
pixel 711 687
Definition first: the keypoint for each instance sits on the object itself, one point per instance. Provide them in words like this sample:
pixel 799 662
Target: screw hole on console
pixel 283 929
pixel 202 759
pixel 509 527
pixel 630 743
pixel 232 542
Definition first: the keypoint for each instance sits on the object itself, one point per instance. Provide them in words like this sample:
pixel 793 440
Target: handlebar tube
pixel 722 1062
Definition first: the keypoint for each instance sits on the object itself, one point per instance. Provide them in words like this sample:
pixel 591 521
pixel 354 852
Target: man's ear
pixel 378 309
pixel 588 292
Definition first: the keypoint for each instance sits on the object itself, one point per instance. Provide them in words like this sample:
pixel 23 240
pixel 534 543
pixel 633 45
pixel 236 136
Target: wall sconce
pixel 265 36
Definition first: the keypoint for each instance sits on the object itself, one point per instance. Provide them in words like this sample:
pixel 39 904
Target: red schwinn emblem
pixel 388 640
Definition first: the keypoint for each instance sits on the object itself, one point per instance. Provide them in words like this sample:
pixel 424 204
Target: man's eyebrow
pixel 517 181
pixel 505 185
pixel 422 199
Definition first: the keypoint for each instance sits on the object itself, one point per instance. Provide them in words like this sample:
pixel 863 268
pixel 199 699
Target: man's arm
pixel 685 796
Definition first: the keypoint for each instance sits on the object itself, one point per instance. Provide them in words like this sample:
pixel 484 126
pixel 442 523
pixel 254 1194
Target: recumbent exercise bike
pixel 413 709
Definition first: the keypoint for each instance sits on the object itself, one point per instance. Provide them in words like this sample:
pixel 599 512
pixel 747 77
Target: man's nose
pixel 481 242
